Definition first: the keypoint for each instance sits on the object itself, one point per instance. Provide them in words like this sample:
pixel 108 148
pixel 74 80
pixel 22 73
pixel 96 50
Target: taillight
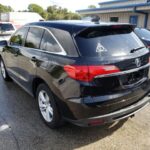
pixel 87 73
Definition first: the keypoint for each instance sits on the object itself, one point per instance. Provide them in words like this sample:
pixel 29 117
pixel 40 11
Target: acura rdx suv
pixel 82 72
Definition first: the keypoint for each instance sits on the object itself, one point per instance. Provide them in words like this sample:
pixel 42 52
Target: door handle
pixel 34 59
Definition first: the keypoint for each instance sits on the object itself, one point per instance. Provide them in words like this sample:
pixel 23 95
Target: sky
pixel 72 5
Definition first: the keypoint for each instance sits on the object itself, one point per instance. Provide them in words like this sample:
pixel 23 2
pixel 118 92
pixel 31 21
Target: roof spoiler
pixel 116 26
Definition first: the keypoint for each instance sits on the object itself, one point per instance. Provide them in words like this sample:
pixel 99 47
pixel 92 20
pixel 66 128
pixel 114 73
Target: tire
pixel 47 107
pixel 4 72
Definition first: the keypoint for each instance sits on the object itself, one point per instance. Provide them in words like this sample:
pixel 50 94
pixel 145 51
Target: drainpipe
pixel 146 20
pixel 142 12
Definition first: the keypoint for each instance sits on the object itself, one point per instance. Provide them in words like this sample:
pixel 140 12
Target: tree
pixel 44 14
pixel 4 8
pixel 35 8
pixel 38 9
pixel 59 13
pixel 91 6
pixel 53 12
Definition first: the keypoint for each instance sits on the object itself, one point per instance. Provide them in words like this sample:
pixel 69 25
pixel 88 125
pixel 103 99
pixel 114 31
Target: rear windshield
pixel 107 41
pixel 6 27
pixel 142 33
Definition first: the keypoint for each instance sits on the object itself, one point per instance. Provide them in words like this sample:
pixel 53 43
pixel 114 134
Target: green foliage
pixel 35 8
pixel 91 6
pixel 53 12
pixel 38 9
pixel 4 8
pixel 59 13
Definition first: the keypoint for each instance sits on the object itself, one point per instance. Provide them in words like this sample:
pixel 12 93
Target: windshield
pixel 6 27
pixel 107 42
pixel 142 33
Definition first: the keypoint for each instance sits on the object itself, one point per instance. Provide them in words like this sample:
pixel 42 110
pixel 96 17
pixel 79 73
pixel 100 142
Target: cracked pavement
pixel 22 129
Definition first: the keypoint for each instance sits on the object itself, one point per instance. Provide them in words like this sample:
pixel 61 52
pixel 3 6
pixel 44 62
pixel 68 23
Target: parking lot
pixel 22 128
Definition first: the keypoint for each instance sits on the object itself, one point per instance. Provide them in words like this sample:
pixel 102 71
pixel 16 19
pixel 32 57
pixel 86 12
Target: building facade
pixel 124 11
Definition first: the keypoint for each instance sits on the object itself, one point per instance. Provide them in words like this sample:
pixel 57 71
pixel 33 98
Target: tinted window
pixel 34 37
pixel 114 19
pixel 49 43
pixel 19 37
pixel 66 41
pixel 6 27
pixel 107 41
pixel 142 33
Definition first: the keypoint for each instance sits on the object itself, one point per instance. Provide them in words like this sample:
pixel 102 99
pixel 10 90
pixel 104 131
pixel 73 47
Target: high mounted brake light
pixel 87 73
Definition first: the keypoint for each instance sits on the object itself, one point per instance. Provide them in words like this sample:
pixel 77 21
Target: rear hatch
pixel 118 62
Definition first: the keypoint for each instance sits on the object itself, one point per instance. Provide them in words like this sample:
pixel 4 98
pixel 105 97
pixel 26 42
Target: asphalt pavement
pixel 21 128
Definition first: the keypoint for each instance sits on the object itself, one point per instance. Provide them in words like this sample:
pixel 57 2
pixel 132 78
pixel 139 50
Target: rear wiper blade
pixel 136 49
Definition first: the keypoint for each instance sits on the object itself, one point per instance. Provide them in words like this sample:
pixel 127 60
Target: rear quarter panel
pixel 50 69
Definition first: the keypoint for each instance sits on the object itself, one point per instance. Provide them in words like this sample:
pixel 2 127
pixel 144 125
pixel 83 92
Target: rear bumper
pixel 114 116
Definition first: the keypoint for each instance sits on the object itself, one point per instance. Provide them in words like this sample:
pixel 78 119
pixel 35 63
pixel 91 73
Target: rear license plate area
pixel 134 77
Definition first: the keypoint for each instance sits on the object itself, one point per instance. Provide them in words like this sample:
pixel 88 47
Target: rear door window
pixel 107 41
pixel 66 41
pixel 34 37
pixel 49 43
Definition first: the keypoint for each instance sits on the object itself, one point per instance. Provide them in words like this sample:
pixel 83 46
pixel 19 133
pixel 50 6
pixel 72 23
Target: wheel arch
pixel 36 82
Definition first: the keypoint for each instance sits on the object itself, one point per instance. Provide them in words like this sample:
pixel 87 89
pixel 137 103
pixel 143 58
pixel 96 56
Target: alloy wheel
pixel 45 106
pixel 3 71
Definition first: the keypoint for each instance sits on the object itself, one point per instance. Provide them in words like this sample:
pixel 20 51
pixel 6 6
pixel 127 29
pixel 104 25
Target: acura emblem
pixel 138 62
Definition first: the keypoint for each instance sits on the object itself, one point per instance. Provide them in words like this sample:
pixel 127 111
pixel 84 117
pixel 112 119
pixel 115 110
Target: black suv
pixel 82 72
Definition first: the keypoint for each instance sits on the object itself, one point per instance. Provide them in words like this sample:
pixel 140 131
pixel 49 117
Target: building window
pixel 114 19
pixel 133 20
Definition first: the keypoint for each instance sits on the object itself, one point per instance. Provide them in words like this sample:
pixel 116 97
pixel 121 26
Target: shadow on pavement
pixel 20 112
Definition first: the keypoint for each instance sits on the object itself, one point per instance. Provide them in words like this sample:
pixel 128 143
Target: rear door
pixel 29 57
pixel 12 52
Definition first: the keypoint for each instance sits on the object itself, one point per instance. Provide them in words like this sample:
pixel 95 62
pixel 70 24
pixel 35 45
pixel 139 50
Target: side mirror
pixel 3 43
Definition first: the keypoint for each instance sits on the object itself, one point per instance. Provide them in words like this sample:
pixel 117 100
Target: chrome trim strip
pixel 144 102
pixel 123 72
pixel 63 52
pixel 18 83
pixel 126 116
pixel 17 74
pixel 117 115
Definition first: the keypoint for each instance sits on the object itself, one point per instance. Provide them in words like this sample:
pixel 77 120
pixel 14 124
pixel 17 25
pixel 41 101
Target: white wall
pixel 148 24
pixel 124 17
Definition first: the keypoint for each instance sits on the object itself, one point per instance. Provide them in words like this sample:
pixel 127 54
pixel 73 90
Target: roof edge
pixel 112 1
pixel 114 7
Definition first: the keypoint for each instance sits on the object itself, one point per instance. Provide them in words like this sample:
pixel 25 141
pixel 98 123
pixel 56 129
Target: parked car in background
pixel 144 35
pixel 6 30
pixel 82 72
